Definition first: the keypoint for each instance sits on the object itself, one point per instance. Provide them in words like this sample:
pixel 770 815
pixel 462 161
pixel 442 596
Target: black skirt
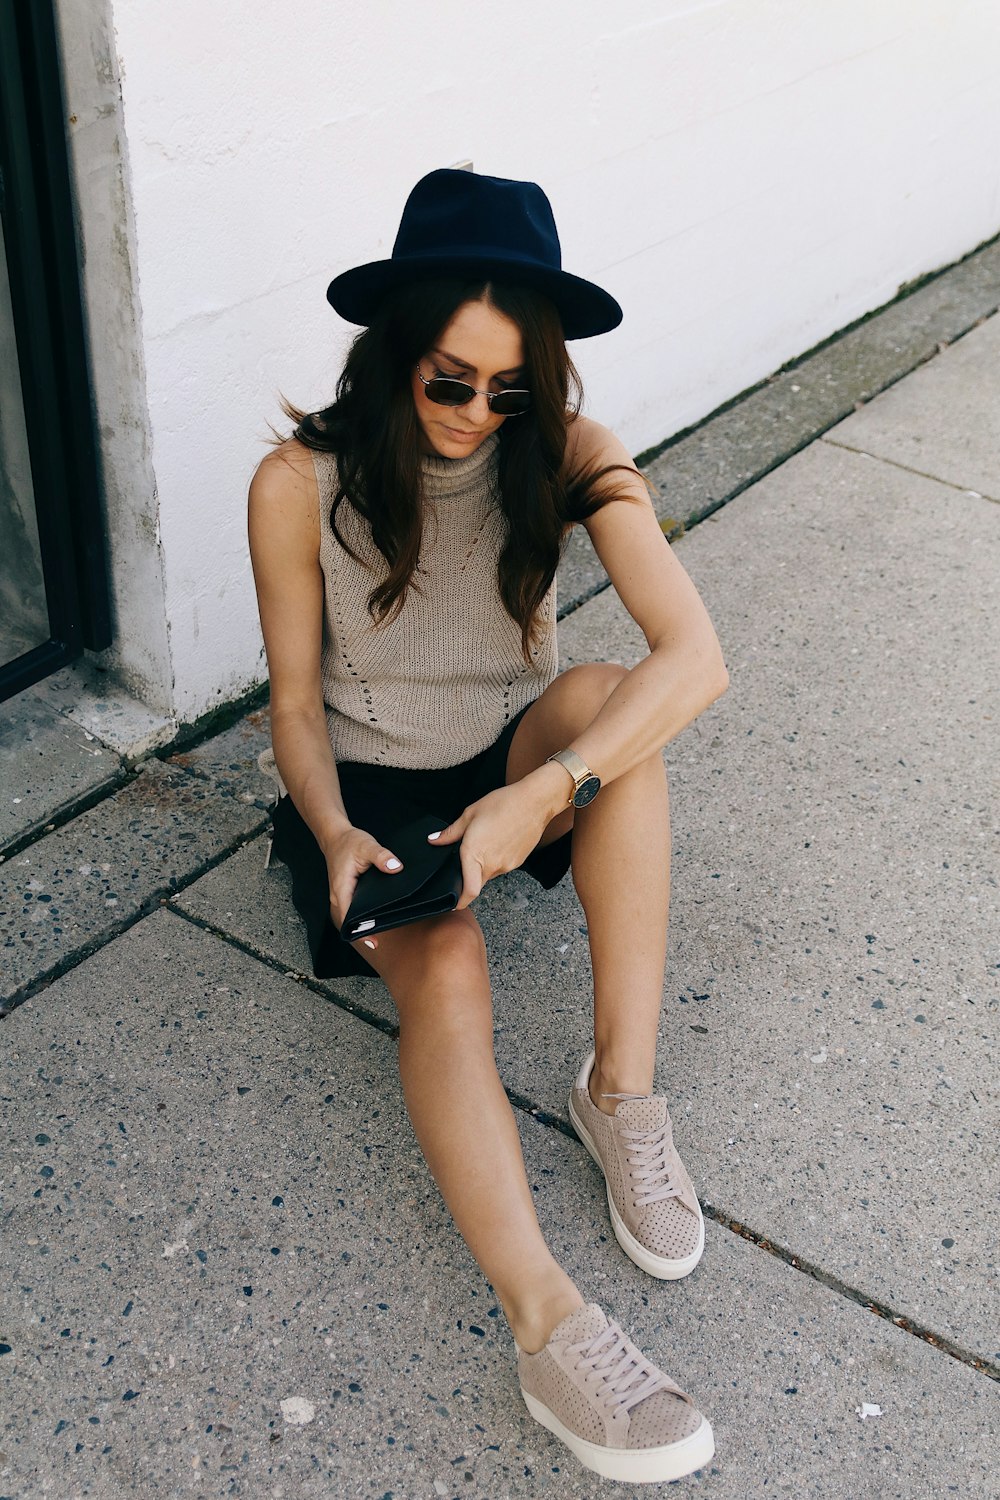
pixel 380 799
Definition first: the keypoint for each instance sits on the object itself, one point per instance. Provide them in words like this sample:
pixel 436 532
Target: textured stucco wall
pixel 139 657
pixel 747 176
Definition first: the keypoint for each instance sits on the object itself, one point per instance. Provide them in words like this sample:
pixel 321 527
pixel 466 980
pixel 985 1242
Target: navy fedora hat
pixel 462 223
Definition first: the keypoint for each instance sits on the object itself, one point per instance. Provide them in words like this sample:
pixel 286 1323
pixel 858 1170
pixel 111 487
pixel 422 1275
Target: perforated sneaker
pixel 616 1411
pixel 654 1208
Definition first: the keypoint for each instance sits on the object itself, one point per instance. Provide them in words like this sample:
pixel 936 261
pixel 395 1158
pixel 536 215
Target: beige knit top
pixel 436 684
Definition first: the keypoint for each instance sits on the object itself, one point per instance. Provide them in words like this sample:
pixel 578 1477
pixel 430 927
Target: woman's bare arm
pixel 284 549
pixel 684 671
pixel 285 552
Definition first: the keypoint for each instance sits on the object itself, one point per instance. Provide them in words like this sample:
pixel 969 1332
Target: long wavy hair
pixel 372 429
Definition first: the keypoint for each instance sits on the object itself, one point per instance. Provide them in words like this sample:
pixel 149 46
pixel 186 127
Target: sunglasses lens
pixel 449 392
pixel 511 403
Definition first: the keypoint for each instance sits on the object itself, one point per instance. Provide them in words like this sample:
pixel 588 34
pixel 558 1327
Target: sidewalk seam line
pixel 843 1289
pixel 59 819
pixel 160 897
pixel 310 982
pixel 817 434
pixel 795 1262
pixel 895 463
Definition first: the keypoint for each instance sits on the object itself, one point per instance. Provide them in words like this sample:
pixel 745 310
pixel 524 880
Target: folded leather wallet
pixel 429 882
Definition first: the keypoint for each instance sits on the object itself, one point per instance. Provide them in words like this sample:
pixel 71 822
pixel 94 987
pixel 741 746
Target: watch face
pixel 587 791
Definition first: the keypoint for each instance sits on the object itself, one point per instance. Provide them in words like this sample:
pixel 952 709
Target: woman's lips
pixel 459 435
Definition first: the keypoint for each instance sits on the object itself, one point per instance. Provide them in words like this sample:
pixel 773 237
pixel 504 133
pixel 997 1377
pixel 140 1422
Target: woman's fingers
pixel 385 860
pixel 473 878
pixel 491 842
pixel 363 853
pixel 472 870
pixel 345 896
pixel 452 833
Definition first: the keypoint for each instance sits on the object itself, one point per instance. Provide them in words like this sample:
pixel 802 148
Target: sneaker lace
pixel 623 1375
pixel 650 1156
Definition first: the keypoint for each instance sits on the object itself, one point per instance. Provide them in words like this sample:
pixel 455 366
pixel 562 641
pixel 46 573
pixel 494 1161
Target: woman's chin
pixel 448 442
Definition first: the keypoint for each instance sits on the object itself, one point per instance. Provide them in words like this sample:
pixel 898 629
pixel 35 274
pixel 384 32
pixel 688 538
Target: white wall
pixel 746 176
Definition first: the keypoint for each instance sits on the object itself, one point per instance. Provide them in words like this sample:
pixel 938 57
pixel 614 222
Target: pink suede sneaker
pixel 620 1415
pixel 655 1211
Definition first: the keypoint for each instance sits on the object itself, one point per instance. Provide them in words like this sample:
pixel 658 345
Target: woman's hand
pixel 497 834
pixel 349 854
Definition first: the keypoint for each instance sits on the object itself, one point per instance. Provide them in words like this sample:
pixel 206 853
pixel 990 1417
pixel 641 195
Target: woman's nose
pixel 478 409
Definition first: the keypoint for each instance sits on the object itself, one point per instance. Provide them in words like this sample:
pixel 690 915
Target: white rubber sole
pixel 655 1265
pixel 631 1465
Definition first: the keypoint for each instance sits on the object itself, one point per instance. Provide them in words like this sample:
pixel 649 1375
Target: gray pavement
pixel 234 1276
pixel 697 472
pixel 72 891
pixel 47 765
pixel 232 1272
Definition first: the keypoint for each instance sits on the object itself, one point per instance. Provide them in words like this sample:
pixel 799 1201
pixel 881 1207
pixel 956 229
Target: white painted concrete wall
pixel 138 661
pixel 746 176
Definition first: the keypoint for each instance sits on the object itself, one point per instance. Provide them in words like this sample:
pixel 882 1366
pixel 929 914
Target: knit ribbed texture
pixel 436 684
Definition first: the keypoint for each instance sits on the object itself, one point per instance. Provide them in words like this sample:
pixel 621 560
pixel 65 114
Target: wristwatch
pixel 585 784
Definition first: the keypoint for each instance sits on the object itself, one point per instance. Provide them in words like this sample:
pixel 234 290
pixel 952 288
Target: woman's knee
pixel 577 695
pixel 588 686
pixel 453 945
pixel 441 967
pixel 566 707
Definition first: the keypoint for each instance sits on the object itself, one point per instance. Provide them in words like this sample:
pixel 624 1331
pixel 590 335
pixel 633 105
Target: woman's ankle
pixel 535 1311
pixel 630 1079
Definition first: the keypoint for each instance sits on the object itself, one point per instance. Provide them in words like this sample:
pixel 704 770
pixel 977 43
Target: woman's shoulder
pixel 286 471
pixel 600 471
pixel 284 495
pixel 591 446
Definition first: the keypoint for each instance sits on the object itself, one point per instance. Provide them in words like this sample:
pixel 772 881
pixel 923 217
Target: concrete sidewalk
pixel 231 1273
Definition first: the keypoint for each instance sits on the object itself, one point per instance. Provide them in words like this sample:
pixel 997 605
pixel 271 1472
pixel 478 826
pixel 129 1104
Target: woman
pixel 404 547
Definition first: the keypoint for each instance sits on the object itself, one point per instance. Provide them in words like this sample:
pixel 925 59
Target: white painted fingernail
pixel 394 863
pixel 369 944
pixel 435 835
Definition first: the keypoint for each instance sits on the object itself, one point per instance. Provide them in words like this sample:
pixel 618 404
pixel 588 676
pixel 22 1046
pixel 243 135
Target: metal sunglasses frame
pixel 491 396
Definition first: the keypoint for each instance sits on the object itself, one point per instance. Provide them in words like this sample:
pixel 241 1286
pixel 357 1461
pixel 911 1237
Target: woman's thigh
pixel 569 703
pixel 436 971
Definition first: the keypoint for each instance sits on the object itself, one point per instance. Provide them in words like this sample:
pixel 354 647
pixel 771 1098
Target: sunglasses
pixel 447 392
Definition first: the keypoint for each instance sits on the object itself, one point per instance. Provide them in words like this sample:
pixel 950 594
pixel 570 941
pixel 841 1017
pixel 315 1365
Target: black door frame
pixel 40 239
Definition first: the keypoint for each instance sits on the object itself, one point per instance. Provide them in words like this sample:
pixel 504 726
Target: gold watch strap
pixel 575 765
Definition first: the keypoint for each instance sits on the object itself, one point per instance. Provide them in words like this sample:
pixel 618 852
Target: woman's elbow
pixel 714 678
pixel 720 679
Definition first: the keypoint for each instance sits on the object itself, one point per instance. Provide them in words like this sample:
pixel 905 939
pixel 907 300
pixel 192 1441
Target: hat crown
pixel 462 224
pixel 452 213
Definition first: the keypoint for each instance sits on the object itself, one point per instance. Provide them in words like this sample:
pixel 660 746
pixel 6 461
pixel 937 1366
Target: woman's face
pixel 484 348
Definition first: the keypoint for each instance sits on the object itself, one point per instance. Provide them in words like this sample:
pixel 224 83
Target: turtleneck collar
pixel 449 476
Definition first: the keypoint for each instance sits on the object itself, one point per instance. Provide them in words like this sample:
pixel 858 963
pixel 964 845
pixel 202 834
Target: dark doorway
pixel 53 576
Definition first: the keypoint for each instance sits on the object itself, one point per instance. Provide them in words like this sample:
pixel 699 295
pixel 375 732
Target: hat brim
pixel 584 309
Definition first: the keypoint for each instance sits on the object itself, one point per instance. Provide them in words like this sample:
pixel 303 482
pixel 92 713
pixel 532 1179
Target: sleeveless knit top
pixel 435 684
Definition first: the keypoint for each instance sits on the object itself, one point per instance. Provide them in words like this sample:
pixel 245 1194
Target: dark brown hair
pixel 373 431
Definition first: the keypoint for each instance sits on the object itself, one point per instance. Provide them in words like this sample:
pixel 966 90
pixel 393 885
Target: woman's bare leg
pixel 437 975
pixel 621 869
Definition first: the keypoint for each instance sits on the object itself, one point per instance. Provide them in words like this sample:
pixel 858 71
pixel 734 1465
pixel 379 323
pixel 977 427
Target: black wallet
pixel 430 882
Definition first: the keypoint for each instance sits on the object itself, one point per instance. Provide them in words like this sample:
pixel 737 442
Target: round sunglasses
pixel 445 391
